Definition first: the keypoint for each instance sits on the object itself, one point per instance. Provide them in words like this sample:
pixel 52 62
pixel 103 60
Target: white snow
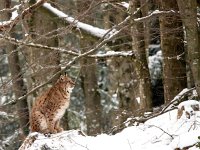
pixel 163 132
pixel 124 4
pixel 114 53
pixel 188 104
pixel 2 100
pixel 138 100
pixel 155 66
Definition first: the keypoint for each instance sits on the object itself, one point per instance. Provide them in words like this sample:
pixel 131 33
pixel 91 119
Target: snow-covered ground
pixel 164 132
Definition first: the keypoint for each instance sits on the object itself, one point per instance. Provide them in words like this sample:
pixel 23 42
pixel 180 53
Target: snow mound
pixel 164 132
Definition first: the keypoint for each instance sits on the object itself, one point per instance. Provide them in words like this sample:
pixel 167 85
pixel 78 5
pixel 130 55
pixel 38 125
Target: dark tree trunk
pixel 174 65
pixel 188 11
pixel 89 77
pixel 18 86
pixel 91 94
pixel 140 63
pixel 121 77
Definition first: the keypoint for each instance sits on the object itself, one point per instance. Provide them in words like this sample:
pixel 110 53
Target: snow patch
pixel 138 100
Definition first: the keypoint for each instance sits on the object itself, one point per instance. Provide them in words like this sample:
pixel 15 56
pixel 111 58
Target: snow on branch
pixel 16 7
pixel 4 24
pixel 97 32
pixel 124 4
pixel 114 54
pixel 15 19
pixel 185 92
pixel 155 13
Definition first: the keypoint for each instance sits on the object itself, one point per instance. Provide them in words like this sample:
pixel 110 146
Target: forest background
pixel 126 57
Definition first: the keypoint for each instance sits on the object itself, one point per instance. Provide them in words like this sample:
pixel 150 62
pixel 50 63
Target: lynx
pixel 50 107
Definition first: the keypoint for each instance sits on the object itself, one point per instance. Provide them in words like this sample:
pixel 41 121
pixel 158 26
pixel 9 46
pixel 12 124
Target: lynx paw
pixel 54 131
pixel 59 129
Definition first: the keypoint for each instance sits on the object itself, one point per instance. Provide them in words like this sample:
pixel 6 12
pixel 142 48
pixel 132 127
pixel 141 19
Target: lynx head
pixel 66 83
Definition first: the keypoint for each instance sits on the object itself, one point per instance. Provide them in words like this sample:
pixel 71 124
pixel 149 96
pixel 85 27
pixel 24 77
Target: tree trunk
pixel 146 25
pixel 42 29
pixel 174 66
pixel 92 96
pixel 143 76
pixel 188 11
pixel 122 87
pixel 89 77
pixel 18 86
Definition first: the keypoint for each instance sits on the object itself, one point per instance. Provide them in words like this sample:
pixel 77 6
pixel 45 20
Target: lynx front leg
pixel 57 126
pixel 51 126
pixel 38 122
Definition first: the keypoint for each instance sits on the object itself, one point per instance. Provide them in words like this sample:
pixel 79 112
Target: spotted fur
pixel 50 107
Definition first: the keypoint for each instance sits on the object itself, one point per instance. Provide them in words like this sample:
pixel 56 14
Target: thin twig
pixel 162 130
pixel 154 14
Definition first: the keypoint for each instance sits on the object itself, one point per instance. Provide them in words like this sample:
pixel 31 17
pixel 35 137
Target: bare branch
pixel 62 50
pixel 102 42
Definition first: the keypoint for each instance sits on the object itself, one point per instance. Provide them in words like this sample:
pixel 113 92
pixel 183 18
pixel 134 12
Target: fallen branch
pixel 172 136
pixel 178 98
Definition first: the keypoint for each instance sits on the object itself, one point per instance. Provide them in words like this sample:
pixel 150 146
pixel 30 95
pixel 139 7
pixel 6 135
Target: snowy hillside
pixel 164 132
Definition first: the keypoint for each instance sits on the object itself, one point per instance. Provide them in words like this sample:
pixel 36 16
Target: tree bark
pixel 42 29
pixel 143 76
pixel 146 25
pixel 174 65
pixel 188 11
pixel 18 86
pixel 122 87
pixel 89 76
pixel 91 95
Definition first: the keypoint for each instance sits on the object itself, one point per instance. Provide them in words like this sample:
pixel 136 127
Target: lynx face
pixel 66 83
